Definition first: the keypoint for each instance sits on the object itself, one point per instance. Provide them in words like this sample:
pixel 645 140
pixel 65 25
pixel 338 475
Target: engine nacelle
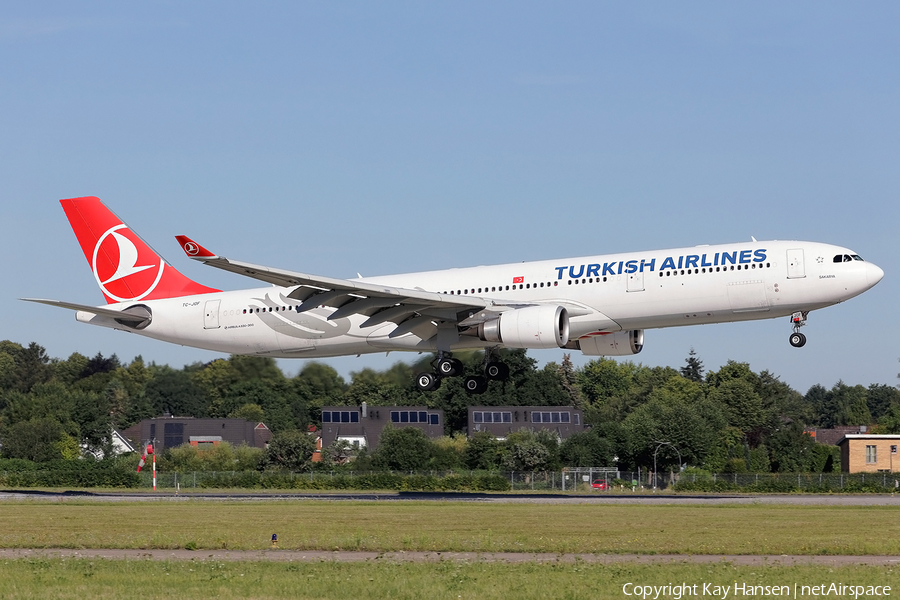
pixel 531 327
pixel 620 343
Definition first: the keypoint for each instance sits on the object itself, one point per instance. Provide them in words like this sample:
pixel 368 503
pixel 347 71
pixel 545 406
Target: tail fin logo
pixel 122 271
pixel 191 249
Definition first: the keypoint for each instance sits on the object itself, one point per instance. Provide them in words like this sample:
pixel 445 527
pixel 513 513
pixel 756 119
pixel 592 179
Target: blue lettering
pixel 745 256
pixel 680 262
pixel 667 264
pixel 691 261
pixel 620 267
pixel 716 262
pixel 631 266
pixel 729 257
pixel 559 272
pixel 608 268
pixel 572 272
pixel 703 262
pixel 593 270
pixel 649 265
pixel 759 256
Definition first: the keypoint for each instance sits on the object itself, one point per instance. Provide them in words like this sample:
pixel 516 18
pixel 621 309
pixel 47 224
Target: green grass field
pixel 454 526
pixel 430 526
pixel 115 579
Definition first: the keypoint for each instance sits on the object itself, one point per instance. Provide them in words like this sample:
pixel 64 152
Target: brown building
pixel 833 437
pixel 869 453
pixel 362 425
pixel 503 420
pixel 169 432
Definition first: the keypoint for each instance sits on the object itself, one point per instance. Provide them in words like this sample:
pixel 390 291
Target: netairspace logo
pixel 739 589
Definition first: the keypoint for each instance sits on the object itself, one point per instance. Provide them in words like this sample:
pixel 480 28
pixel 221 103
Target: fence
pixel 595 481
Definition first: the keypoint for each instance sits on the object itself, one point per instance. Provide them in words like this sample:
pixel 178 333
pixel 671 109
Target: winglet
pixel 193 249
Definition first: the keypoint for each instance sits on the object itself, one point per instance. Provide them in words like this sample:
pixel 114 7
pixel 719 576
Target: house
pixel 169 432
pixel 833 436
pixel 500 421
pixel 361 426
pixel 869 453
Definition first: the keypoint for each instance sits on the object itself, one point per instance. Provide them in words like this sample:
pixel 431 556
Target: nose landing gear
pixel 797 339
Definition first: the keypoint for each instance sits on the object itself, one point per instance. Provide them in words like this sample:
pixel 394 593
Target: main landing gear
pixel 447 366
pixel 797 339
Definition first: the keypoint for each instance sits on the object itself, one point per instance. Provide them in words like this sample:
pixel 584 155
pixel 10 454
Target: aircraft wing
pixel 408 308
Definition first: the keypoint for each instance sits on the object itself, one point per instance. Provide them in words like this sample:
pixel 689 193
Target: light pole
pixel 658 446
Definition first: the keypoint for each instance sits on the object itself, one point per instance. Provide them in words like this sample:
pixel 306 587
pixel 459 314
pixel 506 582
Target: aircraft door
pixel 796 268
pixel 211 314
pixel 635 282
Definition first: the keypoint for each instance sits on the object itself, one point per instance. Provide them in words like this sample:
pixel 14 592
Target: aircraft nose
pixel 874 273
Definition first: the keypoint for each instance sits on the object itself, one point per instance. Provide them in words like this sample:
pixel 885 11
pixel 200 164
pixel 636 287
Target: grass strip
pixel 454 527
pixel 102 579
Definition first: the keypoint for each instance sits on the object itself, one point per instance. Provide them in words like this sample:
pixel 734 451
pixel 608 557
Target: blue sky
pixel 345 138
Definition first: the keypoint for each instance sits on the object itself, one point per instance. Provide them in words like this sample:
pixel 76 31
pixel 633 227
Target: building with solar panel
pixel 500 421
pixel 361 426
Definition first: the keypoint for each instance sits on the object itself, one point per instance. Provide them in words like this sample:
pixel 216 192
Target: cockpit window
pixel 847 258
pixel 858 257
pixel 839 258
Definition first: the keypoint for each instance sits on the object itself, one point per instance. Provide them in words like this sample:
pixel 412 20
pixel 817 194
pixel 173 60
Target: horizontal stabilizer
pixel 106 312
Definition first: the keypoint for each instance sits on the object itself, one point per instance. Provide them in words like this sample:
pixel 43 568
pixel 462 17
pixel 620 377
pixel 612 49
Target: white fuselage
pixel 641 290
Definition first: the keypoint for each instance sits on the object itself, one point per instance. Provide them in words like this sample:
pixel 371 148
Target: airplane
pixel 598 305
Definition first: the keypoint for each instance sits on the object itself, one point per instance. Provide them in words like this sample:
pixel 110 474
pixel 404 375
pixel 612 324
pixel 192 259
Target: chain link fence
pixel 598 480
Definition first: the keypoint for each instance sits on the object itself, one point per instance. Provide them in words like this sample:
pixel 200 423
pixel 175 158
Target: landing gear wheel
pixel 798 340
pixel 448 367
pixel 427 382
pixel 475 384
pixel 496 371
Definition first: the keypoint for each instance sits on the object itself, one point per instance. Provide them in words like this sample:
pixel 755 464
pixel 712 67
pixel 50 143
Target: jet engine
pixel 531 327
pixel 620 343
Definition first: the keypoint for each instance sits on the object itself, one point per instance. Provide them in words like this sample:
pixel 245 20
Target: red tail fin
pixel 125 267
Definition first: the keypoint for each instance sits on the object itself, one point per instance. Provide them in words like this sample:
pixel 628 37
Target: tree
pixel 339 452
pixel 27 367
pixel 792 450
pixel 568 377
pixel 290 450
pixel 174 392
pixel 526 453
pixel 890 421
pixel 274 397
pixel 693 370
pixel 482 452
pixel 586 449
pixel 676 413
pixel 38 440
pixel 845 405
pixel 249 412
pixel 880 398
pixel 743 406
pixel 402 449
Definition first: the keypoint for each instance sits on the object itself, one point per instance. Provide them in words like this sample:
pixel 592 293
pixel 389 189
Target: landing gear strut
pixel 797 339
